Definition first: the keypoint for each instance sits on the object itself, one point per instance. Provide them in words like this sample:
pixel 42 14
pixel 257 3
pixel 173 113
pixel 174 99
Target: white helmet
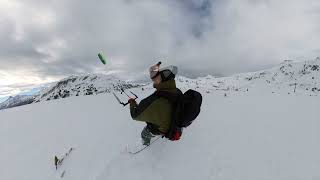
pixel 168 73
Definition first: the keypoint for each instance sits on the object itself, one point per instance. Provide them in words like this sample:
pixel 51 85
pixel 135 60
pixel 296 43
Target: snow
pixel 241 136
pixel 245 135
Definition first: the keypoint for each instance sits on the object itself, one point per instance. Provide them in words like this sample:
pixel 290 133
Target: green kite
pixel 102 59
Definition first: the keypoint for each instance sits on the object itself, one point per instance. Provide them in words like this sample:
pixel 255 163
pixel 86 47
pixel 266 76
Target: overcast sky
pixel 43 41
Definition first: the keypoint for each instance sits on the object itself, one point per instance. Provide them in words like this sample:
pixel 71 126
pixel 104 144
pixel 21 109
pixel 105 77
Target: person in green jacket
pixel 154 110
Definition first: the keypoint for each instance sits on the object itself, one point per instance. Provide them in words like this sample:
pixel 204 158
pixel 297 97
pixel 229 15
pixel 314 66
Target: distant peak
pixel 287 61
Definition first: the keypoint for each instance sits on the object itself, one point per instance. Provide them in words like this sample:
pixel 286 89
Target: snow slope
pixel 247 136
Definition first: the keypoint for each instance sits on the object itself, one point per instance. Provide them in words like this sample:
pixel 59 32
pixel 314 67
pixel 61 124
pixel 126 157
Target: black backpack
pixel 186 109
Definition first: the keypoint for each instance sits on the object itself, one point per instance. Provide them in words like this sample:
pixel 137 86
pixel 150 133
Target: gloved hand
pixel 131 100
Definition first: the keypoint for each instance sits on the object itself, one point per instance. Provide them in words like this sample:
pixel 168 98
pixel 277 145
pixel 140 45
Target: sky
pixel 44 41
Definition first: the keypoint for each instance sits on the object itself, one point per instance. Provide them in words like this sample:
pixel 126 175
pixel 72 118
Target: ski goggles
pixel 154 70
pixel 153 73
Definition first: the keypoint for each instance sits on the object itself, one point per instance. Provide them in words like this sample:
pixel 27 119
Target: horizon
pixel 144 80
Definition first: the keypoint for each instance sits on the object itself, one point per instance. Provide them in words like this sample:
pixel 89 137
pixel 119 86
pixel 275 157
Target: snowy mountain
pixel 15 101
pixel 91 84
pixel 2 99
pixel 288 77
pixel 24 98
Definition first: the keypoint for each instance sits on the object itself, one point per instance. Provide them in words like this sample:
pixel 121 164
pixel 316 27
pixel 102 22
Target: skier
pixel 156 111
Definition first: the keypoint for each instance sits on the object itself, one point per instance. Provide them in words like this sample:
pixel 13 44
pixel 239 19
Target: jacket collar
pixel 166 86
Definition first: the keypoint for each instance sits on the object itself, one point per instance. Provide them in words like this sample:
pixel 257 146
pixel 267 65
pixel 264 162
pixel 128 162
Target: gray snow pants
pixel 146 136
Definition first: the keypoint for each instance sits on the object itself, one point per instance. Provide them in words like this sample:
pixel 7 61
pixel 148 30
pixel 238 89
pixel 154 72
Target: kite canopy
pixel 102 59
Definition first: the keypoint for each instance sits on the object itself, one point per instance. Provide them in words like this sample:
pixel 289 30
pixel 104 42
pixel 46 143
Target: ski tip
pixel 63 173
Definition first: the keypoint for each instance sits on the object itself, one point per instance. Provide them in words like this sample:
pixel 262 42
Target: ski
pixel 143 147
pixel 62 174
pixel 58 162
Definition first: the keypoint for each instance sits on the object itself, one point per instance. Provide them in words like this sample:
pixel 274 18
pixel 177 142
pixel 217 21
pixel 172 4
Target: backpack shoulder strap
pixel 174 99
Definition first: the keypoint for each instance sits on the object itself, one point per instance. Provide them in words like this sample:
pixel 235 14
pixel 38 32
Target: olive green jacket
pixel 154 109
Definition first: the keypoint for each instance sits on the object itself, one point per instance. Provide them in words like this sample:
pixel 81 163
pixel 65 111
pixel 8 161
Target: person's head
pixel 156 80
pixel 154 73
pixel 161 75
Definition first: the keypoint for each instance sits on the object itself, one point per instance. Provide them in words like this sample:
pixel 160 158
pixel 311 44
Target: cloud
pixel 53 39
pixel 252 35
pixel 19 81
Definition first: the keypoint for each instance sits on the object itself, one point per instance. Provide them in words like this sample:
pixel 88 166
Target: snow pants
pixel 146 136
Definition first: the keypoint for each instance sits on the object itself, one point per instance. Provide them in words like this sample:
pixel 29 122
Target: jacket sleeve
pixel 137 109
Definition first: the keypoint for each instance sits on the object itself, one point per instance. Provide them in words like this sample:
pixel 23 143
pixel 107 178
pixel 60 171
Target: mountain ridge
pixel 287 77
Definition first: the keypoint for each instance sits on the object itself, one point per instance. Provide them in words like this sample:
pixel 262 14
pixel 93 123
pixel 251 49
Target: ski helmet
pixel 168 73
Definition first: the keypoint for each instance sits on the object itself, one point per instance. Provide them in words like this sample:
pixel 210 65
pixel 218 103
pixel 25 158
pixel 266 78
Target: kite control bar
pixel 122 91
